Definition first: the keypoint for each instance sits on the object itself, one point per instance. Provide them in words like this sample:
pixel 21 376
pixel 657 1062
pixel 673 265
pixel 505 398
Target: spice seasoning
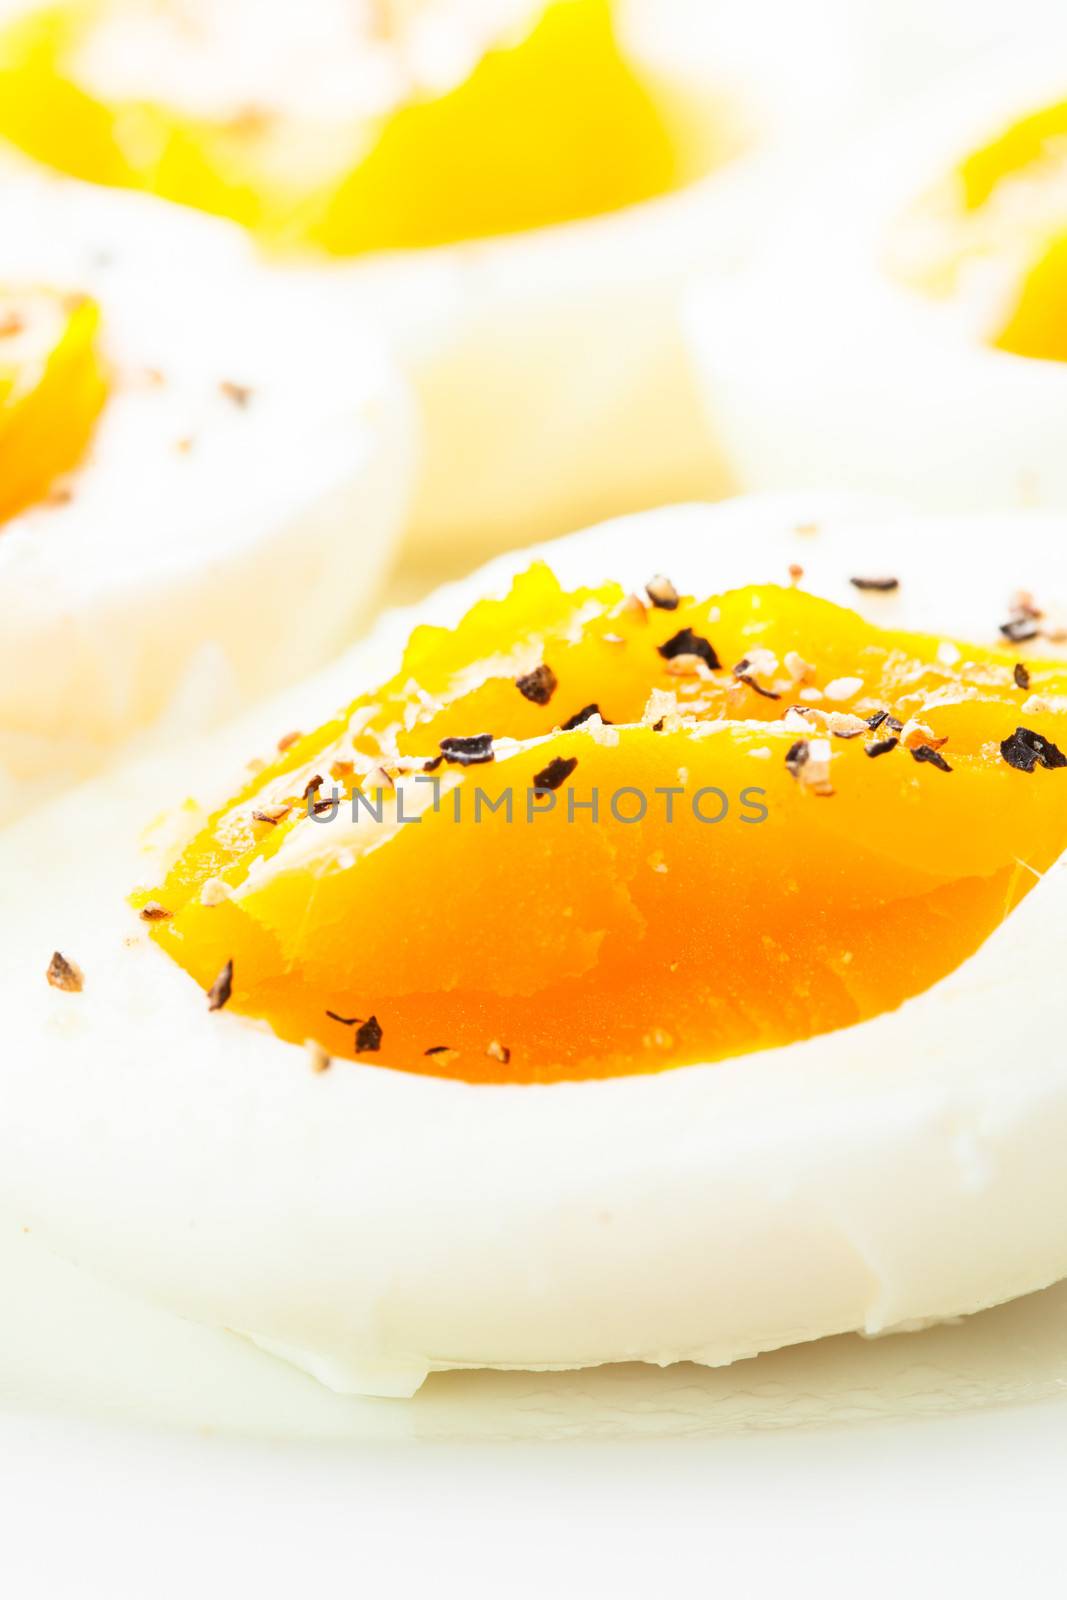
pixel 64 974
pixel 537 686
pixel 221 989
pixel 558 771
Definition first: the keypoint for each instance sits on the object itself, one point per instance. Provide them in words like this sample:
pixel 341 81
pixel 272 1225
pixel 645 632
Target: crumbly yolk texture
pixel 799 879
pixel 555 126
pixel 52 389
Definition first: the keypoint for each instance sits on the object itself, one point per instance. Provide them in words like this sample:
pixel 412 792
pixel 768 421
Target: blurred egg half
pixel 201 477
pixel 902 327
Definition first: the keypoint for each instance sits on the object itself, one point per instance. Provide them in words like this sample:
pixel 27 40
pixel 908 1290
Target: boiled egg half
pixel 201 478
pixel 741 1026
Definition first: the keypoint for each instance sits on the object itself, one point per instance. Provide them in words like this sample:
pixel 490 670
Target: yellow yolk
pixel 52 388
pixel 1033 142
pixel 1032 153
pixel 804 872
pixel 553 127
pixel 1003 209
pixel 1002 212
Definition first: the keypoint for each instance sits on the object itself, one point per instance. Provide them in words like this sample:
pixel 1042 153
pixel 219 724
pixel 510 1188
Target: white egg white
pixel 216 542
pixel 836 369
pixel 373 1226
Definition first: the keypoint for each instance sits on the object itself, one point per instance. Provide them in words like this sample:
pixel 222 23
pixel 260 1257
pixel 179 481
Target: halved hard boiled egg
pixel 201 478
pixel 740 1025
pixel 914 344
pixel 517 189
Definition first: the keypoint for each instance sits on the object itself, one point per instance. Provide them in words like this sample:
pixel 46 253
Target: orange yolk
pixel 553 127
pixel 749 908
pixel 52 389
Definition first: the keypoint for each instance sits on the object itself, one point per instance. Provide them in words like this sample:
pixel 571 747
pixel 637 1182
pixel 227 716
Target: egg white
pixel 210 551
pixel 835 369
pixel 373 1226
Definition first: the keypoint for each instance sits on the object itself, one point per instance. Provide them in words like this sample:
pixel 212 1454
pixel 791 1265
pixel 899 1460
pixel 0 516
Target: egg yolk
pixel 688 869
pixel 52 388
pixel 1037 325
pixel 1000 221
pixel 553 127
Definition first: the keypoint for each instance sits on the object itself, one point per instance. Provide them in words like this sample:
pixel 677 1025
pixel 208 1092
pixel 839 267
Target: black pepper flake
pixel 796 757
pixel 438 1050
pixel 1020 629
pixel 346 1022
pixel 591 710
pixel 662 593
pixel 750 683
pixel 369 1036
pixel 927 753
pixel 273 817
pixel 1025 750
pixel 320 806
pixel 433 764
pixel 1021 676
pixel 558 771
pixel 221 989
pixel 539 685
pixel 312 786
pixel 877 585
pixel 498 1052
pixel 687 643
pixel 875 721
pixel 64 974
pixel 468 750
pixel 657 726
pixel 881 747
